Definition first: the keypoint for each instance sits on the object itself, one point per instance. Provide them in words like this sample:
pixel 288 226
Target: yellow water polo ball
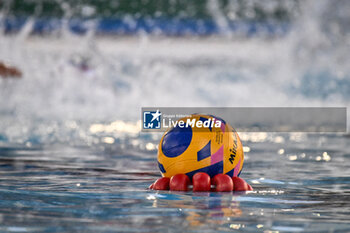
pixel 200 143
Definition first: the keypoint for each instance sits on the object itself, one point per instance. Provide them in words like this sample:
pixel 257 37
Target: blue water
pixel 301 184
pixel 155 26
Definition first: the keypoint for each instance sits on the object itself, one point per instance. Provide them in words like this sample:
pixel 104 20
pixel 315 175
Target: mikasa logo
pixel 210 123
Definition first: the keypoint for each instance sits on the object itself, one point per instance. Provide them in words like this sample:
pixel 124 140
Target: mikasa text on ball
pixel 210 145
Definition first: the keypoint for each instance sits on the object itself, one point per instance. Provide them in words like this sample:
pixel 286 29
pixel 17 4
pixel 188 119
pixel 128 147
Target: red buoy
pixel 162 184
pixel 179 182
pixel 250 188
pixel 201 182
pixel 222 183
pixel 239 184
pixel 151 186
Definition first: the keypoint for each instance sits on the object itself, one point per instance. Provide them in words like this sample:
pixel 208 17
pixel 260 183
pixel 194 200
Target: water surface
pixel 103 188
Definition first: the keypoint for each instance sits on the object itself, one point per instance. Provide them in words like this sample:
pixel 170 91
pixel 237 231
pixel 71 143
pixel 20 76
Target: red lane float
pixel 240 184
pixel 162 184
pixel 250 188
pixel 201 182
pixel 151 186
pixel 179 182
pixel 222 183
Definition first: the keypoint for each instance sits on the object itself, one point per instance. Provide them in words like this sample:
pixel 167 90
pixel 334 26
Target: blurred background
pixel 90 61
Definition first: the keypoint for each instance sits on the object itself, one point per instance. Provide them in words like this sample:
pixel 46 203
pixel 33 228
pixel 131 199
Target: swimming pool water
pixel 103 188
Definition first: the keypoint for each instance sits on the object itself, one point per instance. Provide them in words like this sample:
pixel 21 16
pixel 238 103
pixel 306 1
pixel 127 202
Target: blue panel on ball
pixel 205 152
pixel 161 167
pixel 202 119
pixel 211 170
pixel 230 173
pixel 176 141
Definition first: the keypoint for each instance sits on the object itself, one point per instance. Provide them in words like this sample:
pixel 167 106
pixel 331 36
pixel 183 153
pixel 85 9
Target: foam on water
pixel 88 79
